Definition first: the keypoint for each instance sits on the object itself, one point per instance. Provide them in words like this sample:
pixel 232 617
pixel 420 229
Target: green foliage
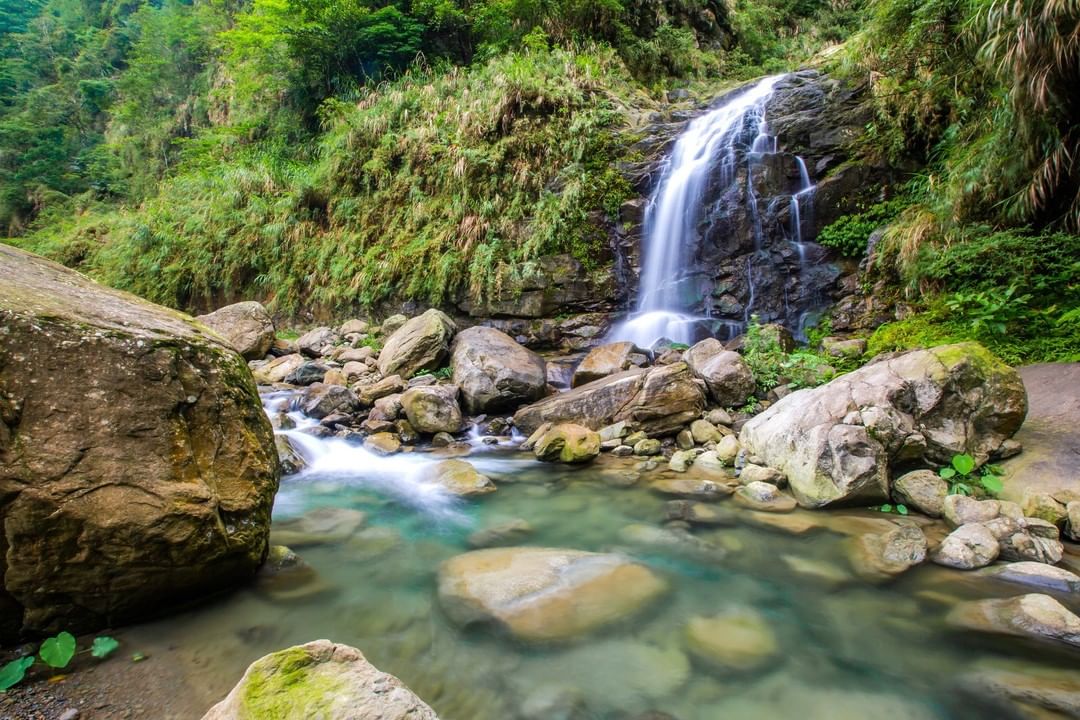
pixel 104 646
pixel 13 672
pixel 57 651
pixel 898 508
pixel 762 352
pixel 990 312
pixel 963 480
pixel 849 234
pixel 771 365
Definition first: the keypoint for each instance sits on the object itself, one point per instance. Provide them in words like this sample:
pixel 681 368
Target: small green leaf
pixel 57 651
pixel 993 484
pixel 902 509
pixel 13 673
pixel 947 472
pixel 104 646
pixel 886 508
pixel 964 464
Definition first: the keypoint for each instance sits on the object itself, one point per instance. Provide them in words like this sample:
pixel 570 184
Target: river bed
pixel 847 649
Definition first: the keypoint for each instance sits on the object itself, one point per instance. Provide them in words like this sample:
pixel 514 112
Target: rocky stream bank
pixel 632 484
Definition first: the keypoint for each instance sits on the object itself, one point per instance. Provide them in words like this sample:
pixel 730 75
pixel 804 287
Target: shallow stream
pixel 847 649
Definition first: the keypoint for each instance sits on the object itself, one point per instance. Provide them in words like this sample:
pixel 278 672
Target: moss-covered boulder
pixel 841 441
pixel 568 443
pixel 321 679
pixel 137 467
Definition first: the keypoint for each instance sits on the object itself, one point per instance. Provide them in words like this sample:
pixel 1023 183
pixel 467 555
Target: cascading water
pixel 730 146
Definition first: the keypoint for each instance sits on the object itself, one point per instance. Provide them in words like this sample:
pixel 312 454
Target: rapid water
pixel 708 152
pixel 847 649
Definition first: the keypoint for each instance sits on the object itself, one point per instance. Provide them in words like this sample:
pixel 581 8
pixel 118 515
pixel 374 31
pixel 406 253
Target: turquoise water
pixel 846 649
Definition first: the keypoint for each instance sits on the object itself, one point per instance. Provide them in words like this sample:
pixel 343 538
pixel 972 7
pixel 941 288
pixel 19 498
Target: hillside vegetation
pixel 343 152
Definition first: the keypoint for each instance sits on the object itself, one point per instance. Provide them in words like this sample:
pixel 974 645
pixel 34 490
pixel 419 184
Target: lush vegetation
pixel 345 152
pixel 55 652
pixel 336 151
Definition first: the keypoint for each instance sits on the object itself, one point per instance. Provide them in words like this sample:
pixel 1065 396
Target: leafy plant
pixel 13 672
pixel 104 646
pixel 962 479
pixel 849 234
pixel 898 508
pixel 990 312
pixel 56 652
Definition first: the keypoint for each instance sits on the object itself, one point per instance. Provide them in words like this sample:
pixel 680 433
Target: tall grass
pixel 436 185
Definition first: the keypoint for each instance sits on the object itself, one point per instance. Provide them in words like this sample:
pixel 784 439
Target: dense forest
pixel 349 151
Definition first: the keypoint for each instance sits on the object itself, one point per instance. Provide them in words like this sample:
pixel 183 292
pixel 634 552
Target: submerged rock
pixel 545 594
pixel 838 442
pixel 736 639
pixel 494 372
pixel 246 325
pixel 319 680
pixel 1034 616
pixel 878 557
pixel 137 466
pixel 764 497
pixel 422 343
pixel 1035 574
pixel 691 488
pixel 511 532
pixel 318 527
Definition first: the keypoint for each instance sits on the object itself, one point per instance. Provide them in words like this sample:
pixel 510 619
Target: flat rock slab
pixel 1050 462
pixel 545 594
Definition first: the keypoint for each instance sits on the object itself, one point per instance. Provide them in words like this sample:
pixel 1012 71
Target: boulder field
pixel 137 467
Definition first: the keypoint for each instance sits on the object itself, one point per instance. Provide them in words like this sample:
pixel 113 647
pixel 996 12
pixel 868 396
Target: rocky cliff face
pixel 755 252
pixel 137 468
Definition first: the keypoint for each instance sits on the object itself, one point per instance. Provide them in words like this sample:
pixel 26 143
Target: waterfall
pixel 710 153
pixel 675 209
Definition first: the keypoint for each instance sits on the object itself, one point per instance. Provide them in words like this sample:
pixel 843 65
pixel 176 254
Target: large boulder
pixel 726 374
pixel 318 342
pixel 420 344
pixel 321 679
pixel 137 467
pixel 602 361
pixel 838 442
pixel 494 372
pixel 658 401
pixel 545 594
pixel 246 325
pixel 433 408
